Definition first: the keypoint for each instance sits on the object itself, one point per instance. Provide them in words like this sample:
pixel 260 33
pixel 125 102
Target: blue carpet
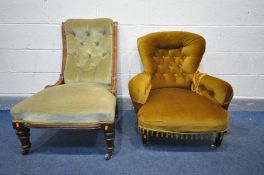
pixel 81 152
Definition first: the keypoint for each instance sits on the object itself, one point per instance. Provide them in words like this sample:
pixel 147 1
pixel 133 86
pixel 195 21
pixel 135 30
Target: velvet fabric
pixel 213 88
pixel 139 87
pixel 171 57
pixel 89 50
pixel 85 98
pixel 77 103
pixel 171 95
pixel 181 111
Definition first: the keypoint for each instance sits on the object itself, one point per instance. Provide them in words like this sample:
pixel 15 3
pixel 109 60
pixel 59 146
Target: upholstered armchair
pixel 84 97
pixel 171 98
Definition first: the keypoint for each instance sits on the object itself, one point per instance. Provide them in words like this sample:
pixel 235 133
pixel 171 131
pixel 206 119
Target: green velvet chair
pixel 171 98
pixel 84 97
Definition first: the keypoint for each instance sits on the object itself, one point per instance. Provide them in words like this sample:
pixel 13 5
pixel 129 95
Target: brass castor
pixel 144 139
pixel 108 156
pixel 25 149
pixel 218 140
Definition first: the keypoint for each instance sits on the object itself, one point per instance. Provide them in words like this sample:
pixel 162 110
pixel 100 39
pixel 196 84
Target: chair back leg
pixel 144 139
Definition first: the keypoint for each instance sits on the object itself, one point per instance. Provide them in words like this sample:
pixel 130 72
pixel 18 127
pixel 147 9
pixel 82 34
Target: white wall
pixel 30 39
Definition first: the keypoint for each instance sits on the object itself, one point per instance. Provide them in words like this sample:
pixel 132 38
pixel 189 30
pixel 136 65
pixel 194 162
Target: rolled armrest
pixel 139 87
pixel 213 88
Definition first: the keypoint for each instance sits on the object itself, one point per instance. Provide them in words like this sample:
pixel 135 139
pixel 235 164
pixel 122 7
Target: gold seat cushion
pixel 180 110
pixel 77 103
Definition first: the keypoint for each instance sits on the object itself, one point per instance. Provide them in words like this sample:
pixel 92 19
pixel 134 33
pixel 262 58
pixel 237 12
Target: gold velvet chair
pixel 84 97
pixel 171 98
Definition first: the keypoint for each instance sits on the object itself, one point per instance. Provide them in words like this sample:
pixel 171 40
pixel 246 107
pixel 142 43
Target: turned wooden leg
pixel 218 139
pixel 109 132
pixel 116 111
pixel 23 134
pixel 144 139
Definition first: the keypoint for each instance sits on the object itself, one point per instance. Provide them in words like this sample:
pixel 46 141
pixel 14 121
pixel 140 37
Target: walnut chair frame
pixel 23 129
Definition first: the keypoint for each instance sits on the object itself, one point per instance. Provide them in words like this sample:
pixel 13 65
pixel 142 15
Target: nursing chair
pixel 84 97
pixel 171 98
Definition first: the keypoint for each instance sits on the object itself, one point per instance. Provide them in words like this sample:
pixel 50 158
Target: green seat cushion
pixel 181 110
pixel 77 103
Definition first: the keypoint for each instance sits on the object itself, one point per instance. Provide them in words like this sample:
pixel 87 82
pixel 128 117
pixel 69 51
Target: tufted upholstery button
pixel 96 43
pixel 72 33
pixel 211 93
pixel 103 55
pixel 103 32
pixel 88 33
pixel 89 55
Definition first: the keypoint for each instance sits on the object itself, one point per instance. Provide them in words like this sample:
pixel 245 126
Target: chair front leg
pixel 144 138
pixel 218 139
pixel 23 134
pixel 116 111
pixel 109 132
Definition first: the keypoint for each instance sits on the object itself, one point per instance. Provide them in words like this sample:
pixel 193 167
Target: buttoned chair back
pixel 172 58
pixel 89 44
